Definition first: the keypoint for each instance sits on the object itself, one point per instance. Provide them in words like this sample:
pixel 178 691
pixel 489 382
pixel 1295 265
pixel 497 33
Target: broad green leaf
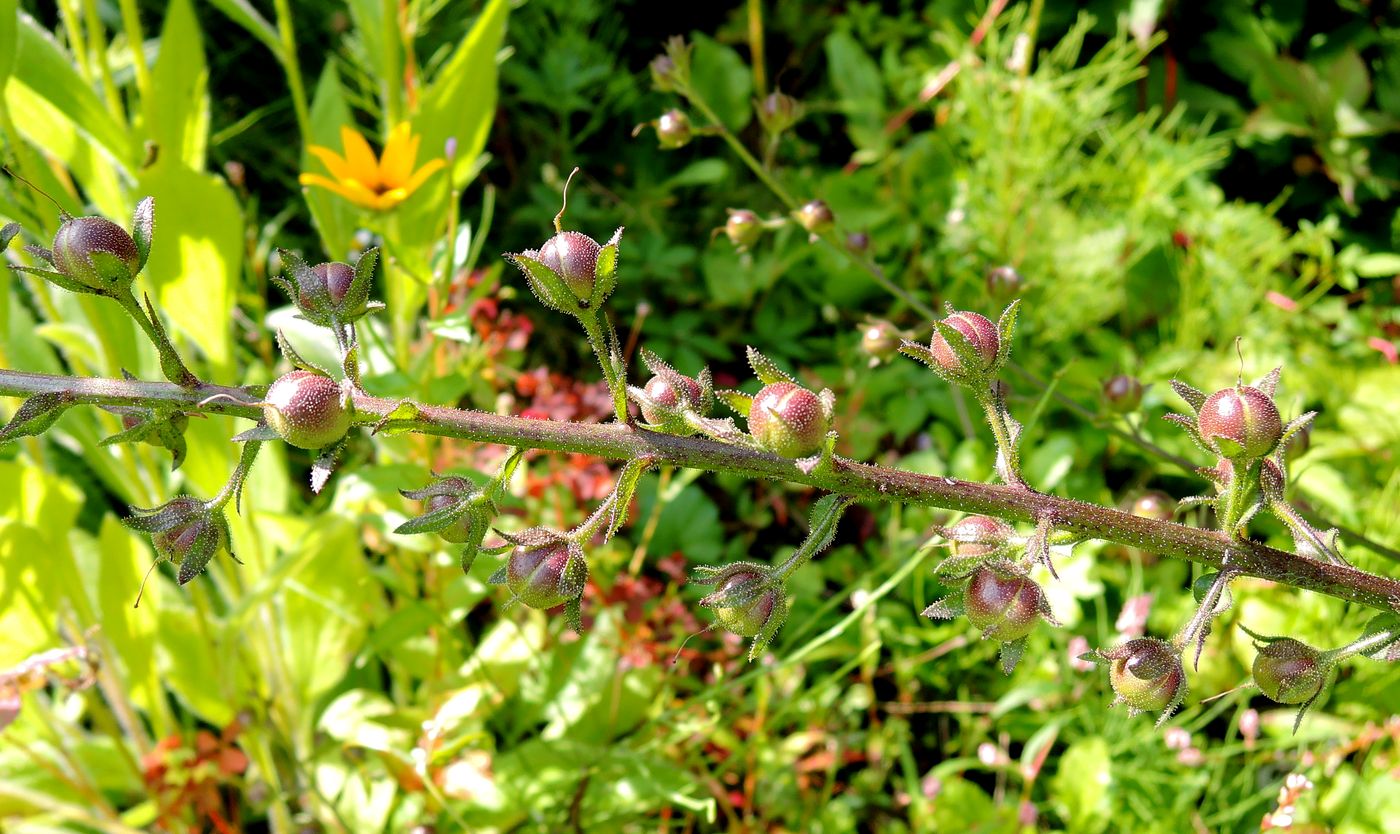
pixel 177 108
pixel 722 79
pixel 333 216
pixel 1081 785
pixel 378 28
pixel 196 258
pixel 9 38
pixel 43 67
pixel 857 80
pixel 50 129
pixel 243 13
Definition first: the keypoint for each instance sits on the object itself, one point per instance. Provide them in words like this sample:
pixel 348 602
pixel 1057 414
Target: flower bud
pixel 1146 674
pixel 880 340
pixel 1123 393
pixel 458 531
pixel 663 73
pixel 778 111
pixel 1004 607
pixel 745 600
pixel 788 420
pixel 1240 422
pixel 979 535
pixel 80 238
pixel 816 217
pixel 177 542
pixel 1154 504
pixel 743 228
pixel 546 575
pixel 334 277
pixel 1004 281
pixel 307 410
pixel 1298 443
pixel 663 393
pixel 574 256
pixel 858 242
pixel 1289 671
pixel 1272 480
pixel 673 130
pixel 978 330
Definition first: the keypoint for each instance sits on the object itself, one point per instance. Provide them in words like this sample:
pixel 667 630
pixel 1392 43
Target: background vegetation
pixel 1164 177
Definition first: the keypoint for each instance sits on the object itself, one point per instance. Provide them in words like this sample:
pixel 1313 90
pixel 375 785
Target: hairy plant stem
pixel 857 480
pixel 604 345
pixel 1008 450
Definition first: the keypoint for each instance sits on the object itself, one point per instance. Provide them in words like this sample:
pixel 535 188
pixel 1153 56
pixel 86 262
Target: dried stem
pixel 858 480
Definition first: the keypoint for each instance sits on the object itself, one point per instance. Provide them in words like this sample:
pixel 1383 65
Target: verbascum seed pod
pixel 1289 671
pixel 1147 675
pixel 815 216
pixel 979 331
pixel 81 241
pixel 1240 423
pixel 307 410
pixel 788 420
pixel 743 228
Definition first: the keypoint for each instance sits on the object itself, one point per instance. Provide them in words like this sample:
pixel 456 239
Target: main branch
pixel 862 481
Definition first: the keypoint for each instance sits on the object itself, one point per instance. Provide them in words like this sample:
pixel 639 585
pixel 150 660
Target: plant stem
pixel 605 348
pixel 292 67
pixel 1006 447
pixel 857 480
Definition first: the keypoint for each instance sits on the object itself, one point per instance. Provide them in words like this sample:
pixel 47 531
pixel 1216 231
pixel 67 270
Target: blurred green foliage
pixel 1166 177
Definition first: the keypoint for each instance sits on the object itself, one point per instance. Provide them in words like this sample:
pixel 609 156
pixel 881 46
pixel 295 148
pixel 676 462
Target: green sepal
pixel 36 415
pixel 170 363
pixel 206 546
pixel 1006 329
pixel 605 270
pixel 764 368
pixel 547 285
pixel 968 356
pixel 58 279
pixel 110 270
pixel 948 608
pixel 1011 654
pixel 291 355
pixel 737 400
pixel 1194 397
pixel 260 432
pixel 356 299
pixel 7 234
pixel 1268 383
pixel 143 228
pixel 436 520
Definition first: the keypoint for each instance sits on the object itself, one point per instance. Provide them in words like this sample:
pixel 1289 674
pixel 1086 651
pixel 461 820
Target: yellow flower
pixel 378 184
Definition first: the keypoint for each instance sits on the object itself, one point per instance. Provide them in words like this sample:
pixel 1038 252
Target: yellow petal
pixel 334 162
pixel 356 194
pixel 391 198
pixel 421 175
pixel 399 154
pixel 363 166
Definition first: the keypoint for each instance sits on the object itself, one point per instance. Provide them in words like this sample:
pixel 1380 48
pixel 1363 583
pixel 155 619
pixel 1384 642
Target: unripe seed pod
pixel 335 277
pixel 1288 671
pixel 1146 673
pixel 660 390
pixel 858 242
pixel 778 111
pixel 1005 608
pixel 979 331
pixel 80 237
pixel 663 73
pixel 547 575
pixel 1155 505
pixel 174 544
pixel 979 535
pixel 788 420
pixel 815 216
pixel 458 531
pixel 744 603
pixel 673 130
pixel 1123 393
pixel 574 256
pixel 305 409
pixel 1004 281
pixel 880 340
pixel 1240 422
pixel 743 228
pixel 1272 480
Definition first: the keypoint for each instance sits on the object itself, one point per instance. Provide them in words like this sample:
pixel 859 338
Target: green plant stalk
pixel 1363 645
pixel 136 42
pixel 170 363
pixel 290 65
pixel 858 480
pixel 603 349
pixel 1235 499
pixel 1010 453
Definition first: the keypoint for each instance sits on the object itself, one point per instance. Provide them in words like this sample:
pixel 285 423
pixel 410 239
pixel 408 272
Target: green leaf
pixel 42 67
pixel 36 415
pixel 198 260
pixel 1081 785
pixel 857 80
pixel 1378 265
pixel 722 79
pixel 9 38
pixel 243 13
pixel 333 217
pixel 177 106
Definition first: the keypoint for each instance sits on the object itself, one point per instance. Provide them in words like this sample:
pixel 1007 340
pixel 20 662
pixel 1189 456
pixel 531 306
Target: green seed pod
pixel 743 228
pixel 673 130
pixel 1123 394
pixel 547 575
pixel 80 238
pixel 1289 671
pixel 746 601
pixel 1004 607
pixel 815 216
pixel 307 410
pixel 1240 423
pixel 574 256
pixel 178 541
pixel 1146 673
pixel 979 331
pixel 788 420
